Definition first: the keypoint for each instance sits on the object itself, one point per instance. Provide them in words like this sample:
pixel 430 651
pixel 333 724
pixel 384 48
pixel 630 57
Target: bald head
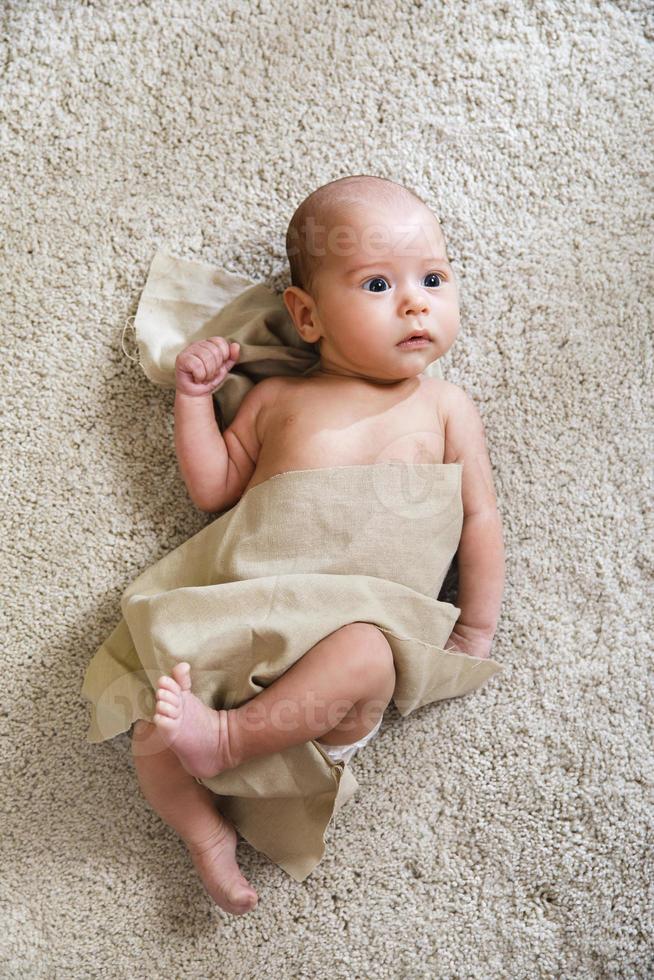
pixel 328 206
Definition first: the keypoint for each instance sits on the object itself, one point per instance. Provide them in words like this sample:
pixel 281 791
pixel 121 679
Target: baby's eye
pixel 377 285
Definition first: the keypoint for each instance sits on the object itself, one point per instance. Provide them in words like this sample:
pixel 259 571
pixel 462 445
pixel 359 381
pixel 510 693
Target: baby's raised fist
pixel 202 366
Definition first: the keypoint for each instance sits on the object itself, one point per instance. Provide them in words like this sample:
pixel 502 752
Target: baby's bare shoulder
pixel 444 394
pixel 465 438
pixel 271 390
pixel 271 385
pixel 282 388
pixel 273 396
pixel 451 396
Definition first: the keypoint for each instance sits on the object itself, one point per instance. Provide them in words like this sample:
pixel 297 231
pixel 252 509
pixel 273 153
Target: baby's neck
pixel 326 372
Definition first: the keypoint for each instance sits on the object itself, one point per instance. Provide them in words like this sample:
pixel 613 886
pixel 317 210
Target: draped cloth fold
pixel 300 555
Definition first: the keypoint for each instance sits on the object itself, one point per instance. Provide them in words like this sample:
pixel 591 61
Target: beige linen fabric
pixel 300 555
pixel 185 301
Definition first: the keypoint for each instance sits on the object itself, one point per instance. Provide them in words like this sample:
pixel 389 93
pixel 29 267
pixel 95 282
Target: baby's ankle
pixel 231 736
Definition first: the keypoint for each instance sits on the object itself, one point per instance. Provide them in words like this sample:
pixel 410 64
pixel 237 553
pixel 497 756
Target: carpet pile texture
pixel 198 128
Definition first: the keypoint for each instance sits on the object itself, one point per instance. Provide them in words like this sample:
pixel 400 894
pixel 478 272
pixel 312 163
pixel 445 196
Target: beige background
pixel 198 128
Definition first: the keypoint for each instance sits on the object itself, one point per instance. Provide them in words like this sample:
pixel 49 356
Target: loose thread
pixel 130 326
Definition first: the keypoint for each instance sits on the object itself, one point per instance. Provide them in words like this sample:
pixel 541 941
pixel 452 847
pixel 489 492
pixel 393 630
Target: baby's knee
pixel 373 655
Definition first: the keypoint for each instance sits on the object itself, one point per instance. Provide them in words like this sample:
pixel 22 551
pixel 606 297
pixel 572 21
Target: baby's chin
pixel 401 365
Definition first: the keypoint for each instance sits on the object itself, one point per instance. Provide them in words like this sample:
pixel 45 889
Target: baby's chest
pixel 341 434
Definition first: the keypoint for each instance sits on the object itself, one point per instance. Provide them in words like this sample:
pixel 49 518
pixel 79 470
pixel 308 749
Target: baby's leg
pixel 188 808
pixel 336 692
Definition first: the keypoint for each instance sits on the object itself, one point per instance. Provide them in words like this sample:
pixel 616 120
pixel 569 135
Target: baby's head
pixel 369 267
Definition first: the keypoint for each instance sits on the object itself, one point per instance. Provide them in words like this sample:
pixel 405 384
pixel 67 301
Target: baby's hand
pixel 201 366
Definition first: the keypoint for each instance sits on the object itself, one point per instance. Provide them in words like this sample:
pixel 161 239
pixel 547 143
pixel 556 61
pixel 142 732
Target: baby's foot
pixel 198 735
pixel 215 862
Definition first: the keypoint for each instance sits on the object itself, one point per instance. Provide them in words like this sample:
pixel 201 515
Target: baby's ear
pixel 301 309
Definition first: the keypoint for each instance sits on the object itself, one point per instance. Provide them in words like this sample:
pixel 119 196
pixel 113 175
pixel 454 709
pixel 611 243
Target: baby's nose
pixel 415 303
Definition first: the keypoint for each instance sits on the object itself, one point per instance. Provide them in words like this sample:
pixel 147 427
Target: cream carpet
pixel 198 128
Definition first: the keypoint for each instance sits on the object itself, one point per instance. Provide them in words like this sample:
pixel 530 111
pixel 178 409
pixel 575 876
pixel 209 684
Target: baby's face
pixel 384 275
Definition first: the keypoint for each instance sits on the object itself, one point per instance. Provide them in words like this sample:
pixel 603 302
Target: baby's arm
pixel 481 548
pixel 215 468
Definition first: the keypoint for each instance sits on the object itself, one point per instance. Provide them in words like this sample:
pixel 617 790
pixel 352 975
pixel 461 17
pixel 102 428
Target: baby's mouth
pixel 415 340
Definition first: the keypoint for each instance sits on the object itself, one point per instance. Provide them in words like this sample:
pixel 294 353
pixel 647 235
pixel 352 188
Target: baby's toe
pixel 168 708
pixel 172 697
pixel 166 683
pixel 182 674
pixel 162 721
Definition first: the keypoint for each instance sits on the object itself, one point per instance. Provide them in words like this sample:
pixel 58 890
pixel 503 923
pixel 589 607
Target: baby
pixel 372 287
